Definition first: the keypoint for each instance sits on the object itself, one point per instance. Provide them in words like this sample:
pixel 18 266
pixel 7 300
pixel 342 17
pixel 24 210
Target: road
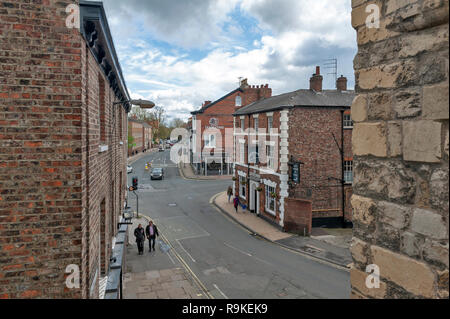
pixel 228 261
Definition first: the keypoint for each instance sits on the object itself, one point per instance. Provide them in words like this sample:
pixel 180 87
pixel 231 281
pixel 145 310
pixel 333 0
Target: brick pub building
pixel 62 148
pixel 307 127
pixel 209 145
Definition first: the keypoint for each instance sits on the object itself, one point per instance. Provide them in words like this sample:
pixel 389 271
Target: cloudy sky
pixel 180 53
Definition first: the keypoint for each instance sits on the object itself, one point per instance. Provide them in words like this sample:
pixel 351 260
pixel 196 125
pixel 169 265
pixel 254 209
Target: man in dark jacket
pixel 139 233
pixel 151 231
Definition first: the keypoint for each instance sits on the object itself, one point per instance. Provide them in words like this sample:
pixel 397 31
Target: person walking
pixel 151 231
pixel 236 202
pixel 229 193
pixel 139 233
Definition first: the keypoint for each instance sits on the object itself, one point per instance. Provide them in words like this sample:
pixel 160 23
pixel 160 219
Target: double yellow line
pixel 200 285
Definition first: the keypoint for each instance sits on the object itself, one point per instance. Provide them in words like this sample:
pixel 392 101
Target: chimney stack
pixel 315 83
pixel 206 103
pixel 341 83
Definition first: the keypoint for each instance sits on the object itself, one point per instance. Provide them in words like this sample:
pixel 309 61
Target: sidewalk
pixel 134 158
pixel 154 275
pixel 321 249
pixel 187 172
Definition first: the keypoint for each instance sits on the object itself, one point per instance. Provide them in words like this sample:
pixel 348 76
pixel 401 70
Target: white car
pixel 129 169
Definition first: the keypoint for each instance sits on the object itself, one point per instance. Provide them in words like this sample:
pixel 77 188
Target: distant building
pixel 210 153
pixel 63 136
pixel 305 127
pixel 140 135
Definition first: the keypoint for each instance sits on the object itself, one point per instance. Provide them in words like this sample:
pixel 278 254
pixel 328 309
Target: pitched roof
pixel 308 98
pixel 203 109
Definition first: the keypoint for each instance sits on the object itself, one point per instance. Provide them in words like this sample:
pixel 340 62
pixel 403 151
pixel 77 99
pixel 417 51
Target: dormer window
pixel 238 101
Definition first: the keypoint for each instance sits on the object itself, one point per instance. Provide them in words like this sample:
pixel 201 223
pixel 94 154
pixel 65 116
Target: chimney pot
pixel 315 83
pixel 341 83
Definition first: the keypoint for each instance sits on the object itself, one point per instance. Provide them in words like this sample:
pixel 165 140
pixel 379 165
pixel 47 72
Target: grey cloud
pixel 187 23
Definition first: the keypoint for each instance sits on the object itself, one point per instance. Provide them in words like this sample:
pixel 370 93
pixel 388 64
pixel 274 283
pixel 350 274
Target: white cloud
pixel 296 36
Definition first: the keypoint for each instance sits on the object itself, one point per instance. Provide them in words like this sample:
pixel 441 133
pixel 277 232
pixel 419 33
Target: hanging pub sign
pixel 296 172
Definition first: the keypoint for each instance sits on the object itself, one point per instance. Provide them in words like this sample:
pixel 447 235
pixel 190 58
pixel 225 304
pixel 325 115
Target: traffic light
pixel 135 182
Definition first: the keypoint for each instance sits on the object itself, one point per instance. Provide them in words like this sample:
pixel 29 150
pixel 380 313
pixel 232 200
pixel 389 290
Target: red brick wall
pixel 52 177
pixel 224 109
pixel 298 216
pixel 311 141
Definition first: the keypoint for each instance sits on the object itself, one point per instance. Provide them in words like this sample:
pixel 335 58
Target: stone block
pixel 394 138
pixel 359 14
pixel 359 108
pixel 434 251
pixel 416 43
pixel 429 224
pixel 369 139
pixel 392 214
pixel 446 144
pixel 369 35
pixel 422 141
pixel 410 244
pixel 435 102
pixel 358 249
pixel 358 281
pixel 389 179
pixel 363 209
pixel 407 103
pixel 439 190
pixel 380 106
pixel 410 274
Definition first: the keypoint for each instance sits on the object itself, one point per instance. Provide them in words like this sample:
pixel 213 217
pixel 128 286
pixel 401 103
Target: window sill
pixel 103 148
pixel 270 212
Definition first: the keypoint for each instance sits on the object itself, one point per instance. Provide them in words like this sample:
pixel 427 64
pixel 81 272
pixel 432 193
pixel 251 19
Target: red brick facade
pixel 142 137
pixel 62 166
pixel 310 134
pixel 217 117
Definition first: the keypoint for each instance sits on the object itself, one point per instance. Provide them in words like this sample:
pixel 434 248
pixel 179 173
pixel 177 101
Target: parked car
pixel 129 169
pixel 157 173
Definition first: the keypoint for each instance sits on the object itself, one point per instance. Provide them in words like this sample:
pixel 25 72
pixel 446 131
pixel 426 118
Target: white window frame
pixel 256 120
pixel 348 172
pixel 348 122
pixel 242 124
pixel 238 101
pixel 241 152
pixel 269 199
pixel 269 124
pixel 270 155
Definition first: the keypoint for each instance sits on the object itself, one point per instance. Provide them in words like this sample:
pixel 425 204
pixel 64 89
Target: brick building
pixel 62 149
pixel 211 149
pixel 401 149
pixel 307 127
pixel 141 136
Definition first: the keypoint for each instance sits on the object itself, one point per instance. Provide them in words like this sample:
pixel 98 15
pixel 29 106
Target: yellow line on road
pixel 185 265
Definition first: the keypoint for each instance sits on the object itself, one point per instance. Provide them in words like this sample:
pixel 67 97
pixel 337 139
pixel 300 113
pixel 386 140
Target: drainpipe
pixel 248 164
pixel 342 168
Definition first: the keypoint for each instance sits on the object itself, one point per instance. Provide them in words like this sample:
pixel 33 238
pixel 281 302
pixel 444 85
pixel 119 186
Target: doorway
pixel 254 198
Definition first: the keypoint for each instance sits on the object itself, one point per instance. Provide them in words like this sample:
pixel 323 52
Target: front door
pixel 255 203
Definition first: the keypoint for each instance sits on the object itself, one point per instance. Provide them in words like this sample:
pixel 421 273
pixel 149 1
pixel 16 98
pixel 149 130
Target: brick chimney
pixel 315 83
pixel 206 103
pixel 341 83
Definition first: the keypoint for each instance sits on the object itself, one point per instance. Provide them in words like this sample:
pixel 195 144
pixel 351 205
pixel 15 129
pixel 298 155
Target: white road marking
pixel 189 255
pixel 242 252
pixel 170 257
pixel 220 291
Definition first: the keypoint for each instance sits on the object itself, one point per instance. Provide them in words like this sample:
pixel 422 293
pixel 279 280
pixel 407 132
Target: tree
pixel 177 123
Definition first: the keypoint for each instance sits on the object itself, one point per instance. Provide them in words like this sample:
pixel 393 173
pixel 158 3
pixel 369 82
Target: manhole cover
pixel 172 205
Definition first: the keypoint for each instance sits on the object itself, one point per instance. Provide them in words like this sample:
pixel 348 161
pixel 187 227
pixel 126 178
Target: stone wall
pixel 400 146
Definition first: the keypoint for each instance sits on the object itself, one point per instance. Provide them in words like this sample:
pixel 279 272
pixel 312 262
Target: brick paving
pixel 153 276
